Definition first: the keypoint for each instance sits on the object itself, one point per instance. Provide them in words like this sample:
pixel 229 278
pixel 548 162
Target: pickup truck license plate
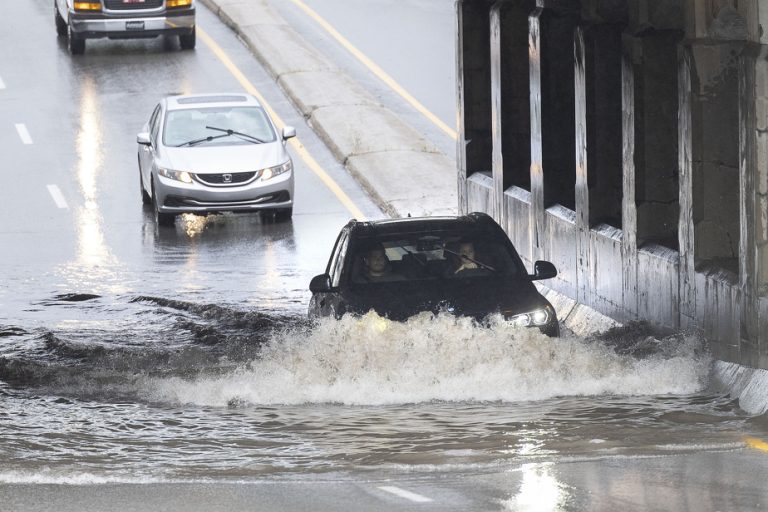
pixel 134 25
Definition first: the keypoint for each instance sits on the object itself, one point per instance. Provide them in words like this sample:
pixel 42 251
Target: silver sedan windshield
pixel 197 124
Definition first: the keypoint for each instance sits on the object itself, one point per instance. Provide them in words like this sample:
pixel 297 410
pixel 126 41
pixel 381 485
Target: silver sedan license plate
pixel 134 25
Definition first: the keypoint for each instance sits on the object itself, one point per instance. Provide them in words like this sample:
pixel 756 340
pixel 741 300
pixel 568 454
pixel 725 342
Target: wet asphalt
pixel 85 269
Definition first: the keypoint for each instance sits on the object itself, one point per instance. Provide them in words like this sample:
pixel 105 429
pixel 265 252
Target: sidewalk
pixel 401 171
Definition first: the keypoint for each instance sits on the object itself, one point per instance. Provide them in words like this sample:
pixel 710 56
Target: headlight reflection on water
pixel 539 491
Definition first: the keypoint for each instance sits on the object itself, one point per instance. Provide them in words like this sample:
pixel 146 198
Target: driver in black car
pixel 377 266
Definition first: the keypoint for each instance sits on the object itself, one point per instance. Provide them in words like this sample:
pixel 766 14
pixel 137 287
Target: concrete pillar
pixel 497 202
pixel 753 204
pixel 553 165
pixel 474 145
pixel 510 99
pixel 760 218
pixel 686 233
pixel 583 256
pixel 629 154
pixel 598 115
pixel 536 235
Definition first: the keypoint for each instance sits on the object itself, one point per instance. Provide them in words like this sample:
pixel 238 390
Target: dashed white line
pixel 417 498
pixel 2 84
pixel 21 128
pixel 57 196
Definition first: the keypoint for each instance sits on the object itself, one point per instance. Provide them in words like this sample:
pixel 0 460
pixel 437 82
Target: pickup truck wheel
pixel 76 44
pixel 187 41
pixel 61 25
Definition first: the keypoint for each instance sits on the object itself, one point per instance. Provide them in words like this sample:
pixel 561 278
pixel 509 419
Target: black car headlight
pixel 535 318
pixel 271 172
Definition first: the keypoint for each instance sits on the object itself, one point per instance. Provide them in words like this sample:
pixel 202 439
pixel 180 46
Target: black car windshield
pixel 431 257
pixel 217 126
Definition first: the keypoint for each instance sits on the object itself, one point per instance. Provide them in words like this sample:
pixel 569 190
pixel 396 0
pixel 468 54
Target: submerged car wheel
pixel 187 41
pixel 76 44
pixel 61 25
pixel 161 219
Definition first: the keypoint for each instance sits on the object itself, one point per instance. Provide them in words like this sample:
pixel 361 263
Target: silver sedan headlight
pixel 537 317
pixel 271 172
pixel 182 176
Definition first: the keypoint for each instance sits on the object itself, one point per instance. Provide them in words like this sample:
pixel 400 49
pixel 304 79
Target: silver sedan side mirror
pixel 288 132
pixel 143 139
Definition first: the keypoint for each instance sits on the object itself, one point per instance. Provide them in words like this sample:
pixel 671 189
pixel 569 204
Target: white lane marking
pixel 418 498
pixel 2 84
pixel 57 196
pixel 21 128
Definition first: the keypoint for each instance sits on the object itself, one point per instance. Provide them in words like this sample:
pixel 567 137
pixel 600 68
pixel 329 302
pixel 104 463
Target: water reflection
pixel 539 491
pixel 95 263
pixel 203 251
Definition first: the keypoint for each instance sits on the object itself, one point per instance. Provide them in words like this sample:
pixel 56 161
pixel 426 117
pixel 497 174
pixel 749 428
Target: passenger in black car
pixel 466 257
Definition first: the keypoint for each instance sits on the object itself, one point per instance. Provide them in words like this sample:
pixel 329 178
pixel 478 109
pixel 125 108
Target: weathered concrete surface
pixel 675 231
pixel 748 385
pixel 402 171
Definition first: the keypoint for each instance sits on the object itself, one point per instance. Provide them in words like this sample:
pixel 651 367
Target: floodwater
pixel 141 389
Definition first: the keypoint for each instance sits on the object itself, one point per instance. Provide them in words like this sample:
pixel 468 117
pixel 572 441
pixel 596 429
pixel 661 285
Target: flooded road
pixel 140 387
pixel 146 368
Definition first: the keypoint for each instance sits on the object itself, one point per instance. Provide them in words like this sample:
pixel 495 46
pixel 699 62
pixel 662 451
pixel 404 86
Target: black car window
pixel 436 257
pixel 337 263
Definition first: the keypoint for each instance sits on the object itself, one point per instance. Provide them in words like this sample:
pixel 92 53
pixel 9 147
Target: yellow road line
pixel 295 143
pixel 756 443
pixel 375 69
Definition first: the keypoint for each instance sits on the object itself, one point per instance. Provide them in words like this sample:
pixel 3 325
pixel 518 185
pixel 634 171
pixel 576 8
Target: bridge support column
pixel 551 76
pixel 510 103
pixel 474 147
pixel 753 172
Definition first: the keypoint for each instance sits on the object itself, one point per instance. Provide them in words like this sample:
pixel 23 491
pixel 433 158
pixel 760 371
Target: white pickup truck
pixel 78 20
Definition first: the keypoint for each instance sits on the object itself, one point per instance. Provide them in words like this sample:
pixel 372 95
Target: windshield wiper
pixel 209 138
pixel 250 138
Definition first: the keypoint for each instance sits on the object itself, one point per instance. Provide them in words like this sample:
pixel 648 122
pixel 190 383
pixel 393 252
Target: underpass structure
pixel 625 142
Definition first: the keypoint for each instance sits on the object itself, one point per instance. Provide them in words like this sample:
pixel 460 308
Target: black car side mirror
pixel 543 270
pixel 321 283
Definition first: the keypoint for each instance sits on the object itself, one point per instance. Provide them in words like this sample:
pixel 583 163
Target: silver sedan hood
pixel 218 159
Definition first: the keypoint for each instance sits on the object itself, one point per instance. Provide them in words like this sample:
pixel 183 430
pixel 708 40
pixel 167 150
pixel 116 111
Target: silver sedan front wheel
pixel 161 219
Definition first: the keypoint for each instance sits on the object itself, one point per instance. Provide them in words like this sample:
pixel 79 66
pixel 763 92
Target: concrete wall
pixel 626 141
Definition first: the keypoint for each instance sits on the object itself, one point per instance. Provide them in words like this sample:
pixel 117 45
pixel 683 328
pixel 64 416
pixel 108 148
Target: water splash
pixel 372 361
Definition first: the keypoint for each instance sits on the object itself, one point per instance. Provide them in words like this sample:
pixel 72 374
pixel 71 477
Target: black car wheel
pixel 187 41
pixel 161 219
pixel 76 44
pixel 61 25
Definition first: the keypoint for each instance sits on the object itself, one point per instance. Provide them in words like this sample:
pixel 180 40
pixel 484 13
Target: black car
pixel 462 265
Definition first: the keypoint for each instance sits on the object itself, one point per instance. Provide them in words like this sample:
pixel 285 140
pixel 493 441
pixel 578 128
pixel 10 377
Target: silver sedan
pixel 213 153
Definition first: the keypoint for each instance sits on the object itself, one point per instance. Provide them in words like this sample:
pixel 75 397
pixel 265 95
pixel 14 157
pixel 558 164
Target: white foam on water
pixel 372 361
pixel 50 477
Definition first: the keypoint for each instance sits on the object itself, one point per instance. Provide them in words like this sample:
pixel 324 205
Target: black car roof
pixel 472 222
